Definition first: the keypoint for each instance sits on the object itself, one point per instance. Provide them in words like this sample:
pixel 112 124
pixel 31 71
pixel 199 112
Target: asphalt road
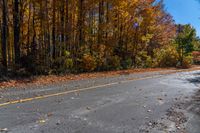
pixel 135 103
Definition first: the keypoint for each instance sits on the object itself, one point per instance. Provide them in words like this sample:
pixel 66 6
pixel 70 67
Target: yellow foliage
pixel 88 62
pixel 166 57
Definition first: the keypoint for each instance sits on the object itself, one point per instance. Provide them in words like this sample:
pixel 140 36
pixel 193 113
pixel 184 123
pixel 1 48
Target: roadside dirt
pixel 52 79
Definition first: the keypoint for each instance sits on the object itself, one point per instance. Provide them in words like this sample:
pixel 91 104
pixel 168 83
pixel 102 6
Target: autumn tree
pixel 51 36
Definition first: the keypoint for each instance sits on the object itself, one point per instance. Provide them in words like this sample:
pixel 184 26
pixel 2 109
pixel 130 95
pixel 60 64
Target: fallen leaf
pixel 49 114
pixel 58 122
pixel 88 108
pixel 148 110
pixel 42 121
pixel 160 98
pixel 3 129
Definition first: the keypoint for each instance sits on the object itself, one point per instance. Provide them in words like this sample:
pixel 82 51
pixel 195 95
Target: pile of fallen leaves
pixel 52 79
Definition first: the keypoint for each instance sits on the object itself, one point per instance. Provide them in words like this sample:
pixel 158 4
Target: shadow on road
pixel 196 103
pixel 195 100
pixel 195 79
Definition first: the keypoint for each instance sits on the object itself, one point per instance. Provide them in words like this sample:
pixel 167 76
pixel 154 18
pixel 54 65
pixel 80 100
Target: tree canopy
pixel 43 36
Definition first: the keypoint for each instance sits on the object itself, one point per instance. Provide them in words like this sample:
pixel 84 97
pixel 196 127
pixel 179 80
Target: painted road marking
pixel 91 88
pixel 74 91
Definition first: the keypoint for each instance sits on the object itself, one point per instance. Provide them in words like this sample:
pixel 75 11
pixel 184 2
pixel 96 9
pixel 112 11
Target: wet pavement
pixel 146 103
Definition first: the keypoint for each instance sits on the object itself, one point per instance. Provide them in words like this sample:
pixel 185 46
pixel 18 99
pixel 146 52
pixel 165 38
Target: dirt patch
pixel 176 116
pixel 180 118
pixel 173 122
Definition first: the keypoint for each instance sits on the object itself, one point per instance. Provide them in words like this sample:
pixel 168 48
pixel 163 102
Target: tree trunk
pixel 101 16
pixel 16 23
pixel 4 35
pixel 54 29
pixel 80 22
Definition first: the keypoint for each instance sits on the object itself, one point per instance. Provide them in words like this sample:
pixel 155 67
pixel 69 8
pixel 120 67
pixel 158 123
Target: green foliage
pixel 63 64
pixel 165 57
pixel 187 61
pixel 186 39
pixel 66 54
pixel 143 60
pixel 114 63
pixel 68 63
pixel 196 43
pixel 127 63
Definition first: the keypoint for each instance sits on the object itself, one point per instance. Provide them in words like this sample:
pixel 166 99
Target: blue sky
pixel 185 11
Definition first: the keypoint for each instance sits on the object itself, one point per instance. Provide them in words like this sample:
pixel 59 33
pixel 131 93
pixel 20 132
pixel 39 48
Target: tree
pixel 16 23
pixel 4 33
pixel 36 34
pixel 185 40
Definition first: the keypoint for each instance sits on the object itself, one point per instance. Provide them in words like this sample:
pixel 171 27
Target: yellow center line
pixel 88 88
pixel 73 91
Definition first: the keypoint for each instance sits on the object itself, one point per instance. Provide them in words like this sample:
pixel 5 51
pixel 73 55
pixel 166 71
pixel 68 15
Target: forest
pixel 73 36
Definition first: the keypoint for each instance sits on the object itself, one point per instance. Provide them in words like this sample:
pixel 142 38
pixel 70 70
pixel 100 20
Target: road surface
pixel 149 102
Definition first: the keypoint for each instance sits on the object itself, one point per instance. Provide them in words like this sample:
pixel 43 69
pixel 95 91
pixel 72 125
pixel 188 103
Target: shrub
pixel 143 60
pixel 1 70
pixel 114 63
pixel 30 64
pixel 66 54
pixel 63 64
pixel 99 53
pixel 41 69
pixel 127 63
pixel 149 62
pixel 88 62
pixel 68 63
pixel 196 57
pixel 166 57
pixel 187 61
